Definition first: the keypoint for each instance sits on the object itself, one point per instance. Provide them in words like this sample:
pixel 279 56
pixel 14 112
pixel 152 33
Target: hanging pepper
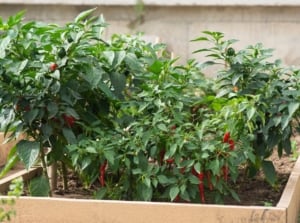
pixel 170 161
pixel 231 144
pixel 102 173
pixel 201 186
pixel 226 137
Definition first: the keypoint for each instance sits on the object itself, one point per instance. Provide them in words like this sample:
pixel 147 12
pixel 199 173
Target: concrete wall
pixel 275 23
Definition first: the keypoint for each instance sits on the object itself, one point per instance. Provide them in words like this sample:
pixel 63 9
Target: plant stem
pixel 44 165
pixel 65 175
pixel 53 176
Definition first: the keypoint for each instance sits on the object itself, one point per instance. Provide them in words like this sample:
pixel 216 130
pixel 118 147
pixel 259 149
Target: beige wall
pixel 275 26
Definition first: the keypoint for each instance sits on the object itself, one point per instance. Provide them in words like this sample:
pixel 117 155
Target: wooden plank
pixel 53 210
pixel 294 205
pixel 290 198
pixel 25 174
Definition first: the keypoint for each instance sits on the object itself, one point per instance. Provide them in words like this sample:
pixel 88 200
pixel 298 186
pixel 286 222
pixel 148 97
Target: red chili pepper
pixel 210 185
pixel 170 161
pixel 231 144
pixel 226 137
pixel 177 198
pixel 173 127
pixel 53 67
pixel 201 187
pixel 70 120
pixel 102 173
pixel 225 172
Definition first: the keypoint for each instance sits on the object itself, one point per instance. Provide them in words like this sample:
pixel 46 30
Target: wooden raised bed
pixel 54 210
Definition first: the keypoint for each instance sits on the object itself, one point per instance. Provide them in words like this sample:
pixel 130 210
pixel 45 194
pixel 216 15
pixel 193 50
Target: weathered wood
pixel 25 174
pixel 290 198
pixel 48 210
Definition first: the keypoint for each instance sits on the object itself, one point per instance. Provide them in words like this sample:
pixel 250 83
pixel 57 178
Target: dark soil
pixel 257 191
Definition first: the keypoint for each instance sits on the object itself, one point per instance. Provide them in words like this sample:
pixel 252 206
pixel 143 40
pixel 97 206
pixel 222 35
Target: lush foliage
pixel 125 116
pixel 265 94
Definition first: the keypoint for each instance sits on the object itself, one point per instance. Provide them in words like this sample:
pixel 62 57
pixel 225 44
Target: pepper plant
pixel 58 84
pixel 169 142
pixel 265 93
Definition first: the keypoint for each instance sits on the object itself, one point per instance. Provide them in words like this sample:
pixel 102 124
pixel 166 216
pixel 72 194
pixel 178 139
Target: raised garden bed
pixel 37 209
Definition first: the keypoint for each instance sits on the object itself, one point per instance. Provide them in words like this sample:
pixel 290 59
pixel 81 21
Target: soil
pixel 255 191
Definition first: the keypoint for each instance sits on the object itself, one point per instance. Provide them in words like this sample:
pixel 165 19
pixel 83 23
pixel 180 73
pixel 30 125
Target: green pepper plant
pixel 58 83
pixel 265 93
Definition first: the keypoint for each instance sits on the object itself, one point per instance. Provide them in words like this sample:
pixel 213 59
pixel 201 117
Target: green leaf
pixel 147 181
pixel 28 151
pixel 114 58
pixel 10 163
pixel 136 171
pixel 3 45
pixel 83 15
pixel 156 67
pixel 171 151
pixel 69 135
pixel 197 167
pixel 39 187
pixel 109 55
pixel 162 127
pixel 109 155
pixel 162 179
pixel 269 171
pixel 21 66
pixel 287 145
pixel 133 62
pixel 52 109
pixel 47 131
pixel 193 179
pixel 70 111
pixel 93 75
pixel 202 38
pixel 234 195
pixel 292 107
pixel 99 194
pixel 146 192
pixel 31 115
pixel 285 120
pixel 174 191
pixel 118 81
pixel 250 113
pixel 223 92
pixel 105 89
pixel 214 166
pixel 91 149
pixel 85 162
pixel 119 57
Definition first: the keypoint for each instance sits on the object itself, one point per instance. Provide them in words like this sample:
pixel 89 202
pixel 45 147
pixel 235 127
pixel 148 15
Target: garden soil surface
pixel 255 191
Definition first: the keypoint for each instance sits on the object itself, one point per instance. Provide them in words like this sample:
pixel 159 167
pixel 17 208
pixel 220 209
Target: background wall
pixel 275 25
